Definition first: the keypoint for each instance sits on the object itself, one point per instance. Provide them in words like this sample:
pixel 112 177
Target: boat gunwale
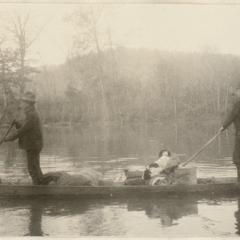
pixel 207 189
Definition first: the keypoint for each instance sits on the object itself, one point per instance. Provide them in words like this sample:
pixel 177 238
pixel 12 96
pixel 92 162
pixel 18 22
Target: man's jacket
pixel 29 133
pixel 234 117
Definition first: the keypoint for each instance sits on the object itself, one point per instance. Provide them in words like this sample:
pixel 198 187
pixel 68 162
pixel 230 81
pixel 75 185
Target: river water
pixel 110 150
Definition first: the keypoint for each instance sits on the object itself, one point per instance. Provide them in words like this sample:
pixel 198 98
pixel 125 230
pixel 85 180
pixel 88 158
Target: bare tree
pixel 7 78
pixel 15 42
pixel 88 39
pixel 20 29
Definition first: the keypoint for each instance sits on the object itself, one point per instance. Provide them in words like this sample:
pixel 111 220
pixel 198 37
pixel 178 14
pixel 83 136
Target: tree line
pixel 138 85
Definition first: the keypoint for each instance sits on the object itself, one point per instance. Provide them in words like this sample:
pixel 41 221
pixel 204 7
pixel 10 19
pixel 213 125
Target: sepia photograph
pixel 120 119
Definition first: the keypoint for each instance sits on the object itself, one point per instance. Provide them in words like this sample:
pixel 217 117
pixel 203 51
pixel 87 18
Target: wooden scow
pixel 224 187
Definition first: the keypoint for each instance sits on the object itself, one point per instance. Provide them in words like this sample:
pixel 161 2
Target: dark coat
pixel 29 133
pixel 233 117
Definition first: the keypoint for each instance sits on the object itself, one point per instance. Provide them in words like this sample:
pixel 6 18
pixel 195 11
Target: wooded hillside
pixel 138 85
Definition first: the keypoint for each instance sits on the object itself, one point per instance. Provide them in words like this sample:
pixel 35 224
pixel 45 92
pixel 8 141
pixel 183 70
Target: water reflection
pixel 237 217
pixel 35 220
pixel 166 210
pixel 38 209
pixel 123 217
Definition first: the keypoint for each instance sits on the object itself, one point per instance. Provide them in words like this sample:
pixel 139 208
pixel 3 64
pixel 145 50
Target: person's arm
pixel 231 116
pixel 22 130
pixel 155 165
pixel 17 124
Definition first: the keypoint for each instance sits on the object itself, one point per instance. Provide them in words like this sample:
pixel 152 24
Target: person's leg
pixel 33 160
pixel 47 178
pixel 147 174
pixel 238 173
pixel 236 156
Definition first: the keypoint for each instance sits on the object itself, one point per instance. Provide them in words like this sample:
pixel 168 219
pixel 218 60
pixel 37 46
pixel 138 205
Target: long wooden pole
pixel 201 149
pixel 7 132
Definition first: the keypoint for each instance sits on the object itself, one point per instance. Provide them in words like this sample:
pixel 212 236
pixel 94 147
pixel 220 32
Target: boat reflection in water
pixel 41 210
pixel 167 210
pixel 102 217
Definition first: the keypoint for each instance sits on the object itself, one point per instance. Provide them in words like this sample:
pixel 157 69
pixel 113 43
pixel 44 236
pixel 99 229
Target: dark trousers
pixel 33 161
pixel 238 173
pixel 236 156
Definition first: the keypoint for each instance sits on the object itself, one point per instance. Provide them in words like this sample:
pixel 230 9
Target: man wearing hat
pixel 29 135
pixel 234 117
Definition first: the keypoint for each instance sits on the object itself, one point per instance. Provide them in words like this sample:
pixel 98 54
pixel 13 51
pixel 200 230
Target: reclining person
pixel 158 166
pixel 161 168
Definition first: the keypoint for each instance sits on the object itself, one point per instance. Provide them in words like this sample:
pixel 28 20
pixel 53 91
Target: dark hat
pixel 29 97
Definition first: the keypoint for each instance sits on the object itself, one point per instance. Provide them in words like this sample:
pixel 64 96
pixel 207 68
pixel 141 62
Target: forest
pixel 138 85
pixel 103 82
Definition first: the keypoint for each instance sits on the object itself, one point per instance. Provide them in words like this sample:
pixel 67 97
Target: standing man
pixel 30 139
pixel 234 117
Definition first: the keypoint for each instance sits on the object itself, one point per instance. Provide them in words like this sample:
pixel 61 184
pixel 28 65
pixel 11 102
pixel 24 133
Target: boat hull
pixel 117 190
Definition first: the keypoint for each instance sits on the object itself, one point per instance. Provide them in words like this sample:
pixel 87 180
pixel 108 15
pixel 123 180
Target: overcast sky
pixel 166 27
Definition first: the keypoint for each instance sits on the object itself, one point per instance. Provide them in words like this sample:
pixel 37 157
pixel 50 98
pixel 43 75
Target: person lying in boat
pixel 158 166
pixel 161 168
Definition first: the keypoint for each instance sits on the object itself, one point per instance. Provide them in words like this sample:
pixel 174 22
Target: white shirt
pixel 162 163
